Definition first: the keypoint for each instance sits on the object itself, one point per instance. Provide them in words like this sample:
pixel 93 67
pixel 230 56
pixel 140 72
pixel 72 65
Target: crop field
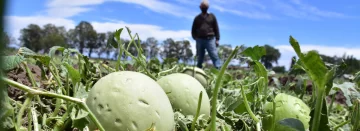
pixel 64 90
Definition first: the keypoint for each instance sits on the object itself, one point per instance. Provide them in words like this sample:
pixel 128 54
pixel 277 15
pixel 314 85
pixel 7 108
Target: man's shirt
pixel 205 26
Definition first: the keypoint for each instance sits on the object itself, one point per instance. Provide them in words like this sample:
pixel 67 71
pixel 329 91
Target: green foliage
pixel 65 77
pixel 279 69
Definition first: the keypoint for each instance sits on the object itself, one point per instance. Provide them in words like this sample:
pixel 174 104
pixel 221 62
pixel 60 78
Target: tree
pixel 188 54
pixel 53 36
pixel 152 43
pixel 107 48
pixel 171 49
pixel 92 41
pixel 179 50
pixel 82 35
pixel 272 55
pixel 101 43
pixel 225 51
pixel 31 37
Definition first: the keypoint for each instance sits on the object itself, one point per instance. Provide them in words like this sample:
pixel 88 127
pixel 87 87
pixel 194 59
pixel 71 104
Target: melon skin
pixel 287 106
pixel 130 101
pixel 183 92
pixel 199 75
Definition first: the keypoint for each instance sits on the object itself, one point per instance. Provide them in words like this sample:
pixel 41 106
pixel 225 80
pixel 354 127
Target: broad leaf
pixel 255 53
pixel 26 51
pixel 79 118
pixel 357 79
pixel 348 89
pixel 54 49
pixel 74 74
pixel 293 123
pixel 6 110
pixel 11 62
pixel 43 59
pixel 312 63
pixel 260 71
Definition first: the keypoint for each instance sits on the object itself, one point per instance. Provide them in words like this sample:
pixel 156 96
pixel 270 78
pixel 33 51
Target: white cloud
pixel 15 23
pixel 144 30
pixel 163 7
pixel 74 7
pixel 64 12
pixel 298 9
pixel 287 52
pixel 69 3
pixel 254 15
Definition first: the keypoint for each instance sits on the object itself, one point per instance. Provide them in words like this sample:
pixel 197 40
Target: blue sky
pixel 331 27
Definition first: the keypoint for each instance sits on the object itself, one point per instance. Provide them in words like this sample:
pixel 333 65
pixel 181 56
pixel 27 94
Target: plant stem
pixel 35 120
pixel 217 87
pixel 197 112
pixel 38 92
pixel 22 110
pixel 29 122
pixel 331 104
pixel 340 125
pixel 92 116
pixel 49 94
pixel 167 71
pixel 252 115
pixel 318 108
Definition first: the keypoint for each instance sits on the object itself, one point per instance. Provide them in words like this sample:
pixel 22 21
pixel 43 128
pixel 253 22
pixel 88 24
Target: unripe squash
pixel 287 106
pixel 130 101
pixel 183 92
pixel 199 75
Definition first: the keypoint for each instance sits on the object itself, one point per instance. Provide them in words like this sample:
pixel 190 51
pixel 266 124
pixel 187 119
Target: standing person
pixel 205 31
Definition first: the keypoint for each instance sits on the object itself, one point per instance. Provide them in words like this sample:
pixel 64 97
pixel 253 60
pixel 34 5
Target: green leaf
pixel 357 78
pixel 74 74
pixel 6 110
pixel 117 34
pixel 54 49
pixel 79 118
pixel 26 51
pixel 80 91
pixel 348 89
pixel 355 115
pixel 293 123
pixel 43 59
pixel 312 64
pixel 43 73
pixel 11 62
pixel 255 53
pixel 260 71
pixel 332 74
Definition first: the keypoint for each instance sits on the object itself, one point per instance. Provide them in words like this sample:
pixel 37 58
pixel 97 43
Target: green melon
pixel 287 106
pixel 200 75
pixel 130 101
pixel 183 92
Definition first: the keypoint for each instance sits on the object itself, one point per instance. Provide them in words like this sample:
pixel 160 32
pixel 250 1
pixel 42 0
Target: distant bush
pixel 279 69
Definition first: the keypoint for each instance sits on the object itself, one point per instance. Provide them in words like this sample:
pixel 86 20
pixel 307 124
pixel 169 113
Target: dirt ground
pixel 19 75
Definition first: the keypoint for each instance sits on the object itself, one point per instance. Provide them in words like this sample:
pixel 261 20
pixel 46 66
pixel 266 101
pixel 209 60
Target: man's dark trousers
pixel 209 45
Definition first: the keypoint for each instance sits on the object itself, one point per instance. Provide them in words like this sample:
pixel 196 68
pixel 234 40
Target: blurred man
pixel 205 31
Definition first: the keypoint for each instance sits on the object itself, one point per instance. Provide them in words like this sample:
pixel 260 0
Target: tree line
pixel 86 39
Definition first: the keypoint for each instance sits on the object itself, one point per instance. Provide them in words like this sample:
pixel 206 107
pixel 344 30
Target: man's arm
pixel 216 29
pixel 193 29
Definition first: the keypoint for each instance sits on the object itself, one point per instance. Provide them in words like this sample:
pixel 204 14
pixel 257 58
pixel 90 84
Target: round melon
pixel 183 92
pixel 130 101
pixel 199 75
pixel 287 106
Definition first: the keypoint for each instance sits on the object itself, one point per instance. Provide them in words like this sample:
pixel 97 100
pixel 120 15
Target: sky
pixel 330 27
